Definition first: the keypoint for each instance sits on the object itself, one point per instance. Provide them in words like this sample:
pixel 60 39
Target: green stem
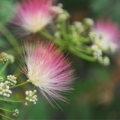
pixel 84 51
pixel 48 36
pixel 81 55
pixel 68 26
pixel 5 110
pixel 12 101
pixel 9 36
pixel 6 116
pixel 4 67
pixel 20 84
pixel 64 31
pixel 83 40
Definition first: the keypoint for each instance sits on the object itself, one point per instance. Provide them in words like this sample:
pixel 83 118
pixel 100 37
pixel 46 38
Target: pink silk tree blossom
pixel 34 15
pixel 48 70
pixel 108 33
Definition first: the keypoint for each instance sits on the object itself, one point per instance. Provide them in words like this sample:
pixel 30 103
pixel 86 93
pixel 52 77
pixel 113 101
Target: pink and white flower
pixel 33 15
pixel 107 35
pixel 48 70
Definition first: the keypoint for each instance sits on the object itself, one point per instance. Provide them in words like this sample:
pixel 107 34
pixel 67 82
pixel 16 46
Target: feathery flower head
pixel 48 70
pixel 33 15
pixel 107 35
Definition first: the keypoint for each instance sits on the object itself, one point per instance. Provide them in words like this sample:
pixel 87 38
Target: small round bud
pixel 64 15
pixel 79 26
pixel 57 34
pixel 26 103
pixel 106 61
pixel 88 22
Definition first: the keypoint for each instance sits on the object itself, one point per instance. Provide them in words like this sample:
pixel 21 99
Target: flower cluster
pixel 62 16
pixel 12 80
pixel 16 112
pixel 5 89
pixel 90 40
pixel 4 57
pixel 31 96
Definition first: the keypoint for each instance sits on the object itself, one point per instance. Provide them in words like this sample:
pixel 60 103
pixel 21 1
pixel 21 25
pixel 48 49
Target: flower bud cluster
pixel 97 53
pixel 4 57
pixel 5 89
pixel 92 35
pixel 101 46
pixel 16 112
pixel 103 43
pixel 79 26
pixel 96 43
pixel 104 61
pixel 12 80
pixel 57 9
pixel 62 14
pixel 31 96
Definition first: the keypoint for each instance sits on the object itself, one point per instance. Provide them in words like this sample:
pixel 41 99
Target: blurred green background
pixel 97 88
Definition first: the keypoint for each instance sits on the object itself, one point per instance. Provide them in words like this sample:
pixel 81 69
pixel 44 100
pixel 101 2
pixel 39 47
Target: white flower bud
pixel 97 53
pixel 79 26
pixel 8 95
pixel 26 103
pixel 26 92
pixel 89 21
pixel 106 61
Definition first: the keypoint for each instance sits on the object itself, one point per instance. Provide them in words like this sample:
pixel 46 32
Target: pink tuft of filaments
pixel 109 33
pixel 48 70
pixel 107 28
pixel 34 15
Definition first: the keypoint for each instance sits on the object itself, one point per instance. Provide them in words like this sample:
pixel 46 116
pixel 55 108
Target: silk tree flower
pixel 34 15
pixel 48 70
pixel 107 35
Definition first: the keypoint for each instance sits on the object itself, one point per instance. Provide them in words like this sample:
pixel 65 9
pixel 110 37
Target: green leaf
pixel 6 10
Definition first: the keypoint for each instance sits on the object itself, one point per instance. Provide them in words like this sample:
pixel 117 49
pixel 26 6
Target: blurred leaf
pixel 6 10
pixel 2 42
